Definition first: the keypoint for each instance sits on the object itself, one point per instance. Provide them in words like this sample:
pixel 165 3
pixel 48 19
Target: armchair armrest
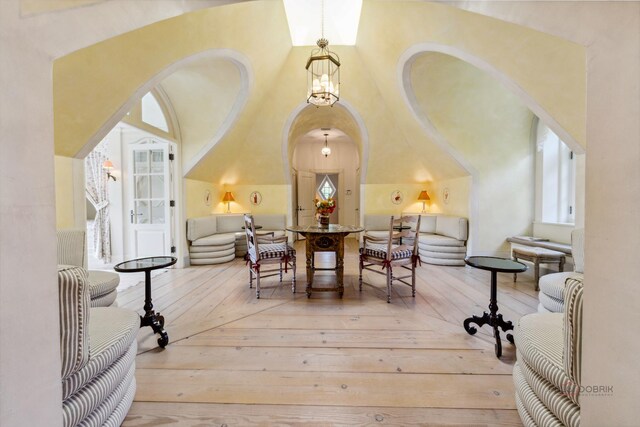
pixel 572 356
pixel 73 293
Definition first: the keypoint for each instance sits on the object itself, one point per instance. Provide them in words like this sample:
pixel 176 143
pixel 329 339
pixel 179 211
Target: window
pixel 152 113
pixel 326 188
pixel 555 178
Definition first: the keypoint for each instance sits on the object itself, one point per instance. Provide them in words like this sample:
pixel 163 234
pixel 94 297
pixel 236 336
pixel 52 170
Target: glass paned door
pixel 149 199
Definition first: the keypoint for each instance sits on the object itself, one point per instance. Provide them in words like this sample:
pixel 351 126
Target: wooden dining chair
pixel 395 252
pixel 267 250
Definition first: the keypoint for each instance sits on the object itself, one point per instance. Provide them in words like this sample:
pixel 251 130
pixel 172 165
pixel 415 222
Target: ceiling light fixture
pixel 325 150
pixel 323 73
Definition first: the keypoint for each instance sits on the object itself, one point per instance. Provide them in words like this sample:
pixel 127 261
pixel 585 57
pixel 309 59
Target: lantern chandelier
pixel 325 150
pixel 323 73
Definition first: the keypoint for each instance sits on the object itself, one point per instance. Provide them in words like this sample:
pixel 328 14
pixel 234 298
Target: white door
pixel 150 199
pixel 306 192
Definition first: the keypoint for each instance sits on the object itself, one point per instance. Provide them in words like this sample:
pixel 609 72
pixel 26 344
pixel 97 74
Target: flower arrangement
pixel 324 207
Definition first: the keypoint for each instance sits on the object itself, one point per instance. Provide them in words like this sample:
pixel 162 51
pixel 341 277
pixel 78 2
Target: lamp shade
pixel 424 195
pixel 228 197
pixel 108 165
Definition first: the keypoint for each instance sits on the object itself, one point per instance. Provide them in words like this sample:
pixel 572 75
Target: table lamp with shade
pixel 228 198
pixel 424 197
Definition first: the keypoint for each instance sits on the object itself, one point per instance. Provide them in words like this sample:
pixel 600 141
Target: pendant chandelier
pixel 325 150
pixel 323 73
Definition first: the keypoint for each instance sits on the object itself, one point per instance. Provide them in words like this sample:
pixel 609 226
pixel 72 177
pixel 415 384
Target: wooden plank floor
pixel 288 360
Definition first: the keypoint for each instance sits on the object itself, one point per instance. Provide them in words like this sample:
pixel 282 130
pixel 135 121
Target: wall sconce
pixel 108 167
pixel 228 198
pixel 424 197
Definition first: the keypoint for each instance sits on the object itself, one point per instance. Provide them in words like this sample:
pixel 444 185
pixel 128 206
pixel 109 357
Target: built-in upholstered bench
pixel 442 239
pixel 215 239
pixel 540 243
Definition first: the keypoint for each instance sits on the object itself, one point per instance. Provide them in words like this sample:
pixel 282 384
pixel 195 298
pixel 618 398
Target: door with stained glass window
pixel 150 199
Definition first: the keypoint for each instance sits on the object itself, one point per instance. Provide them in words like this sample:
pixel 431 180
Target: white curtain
pixel 98 194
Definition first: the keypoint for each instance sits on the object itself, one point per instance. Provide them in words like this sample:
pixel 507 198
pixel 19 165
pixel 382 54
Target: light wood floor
pixel 286 360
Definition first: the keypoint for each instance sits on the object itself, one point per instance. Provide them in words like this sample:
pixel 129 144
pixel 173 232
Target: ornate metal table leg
pixel 480 321
pixel 340 265
pixel 498 346
pixel 151 318
pixel 309 253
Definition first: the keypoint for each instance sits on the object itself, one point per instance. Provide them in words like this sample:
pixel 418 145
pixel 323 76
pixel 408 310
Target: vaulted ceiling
pixel 237 86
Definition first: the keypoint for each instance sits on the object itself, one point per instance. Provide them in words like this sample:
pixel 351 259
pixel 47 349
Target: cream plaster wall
pixel 64 192
pixel 490 127
pixel 610 31
pixel 343 160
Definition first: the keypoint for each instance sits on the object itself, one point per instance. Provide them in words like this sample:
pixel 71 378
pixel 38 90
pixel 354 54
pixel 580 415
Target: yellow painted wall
pixel 274 199
pixel 64 192
pixel 194 196
pixel 459 190
pixel 378 198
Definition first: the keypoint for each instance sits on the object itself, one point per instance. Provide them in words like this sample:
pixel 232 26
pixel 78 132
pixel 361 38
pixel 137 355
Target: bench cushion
pixel 535 251
pixel 213 254
pixel 438 240
pixel 210 249
pixel 215 240
pixel 102 282
pixel 452 226
pixel 443 261
pixel 451 250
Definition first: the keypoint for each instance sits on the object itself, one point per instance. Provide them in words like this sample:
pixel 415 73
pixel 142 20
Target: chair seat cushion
pixel 104 300
pixel 276 250
pixel 380 251
pixel 535 251
pixel 111 332
pixel 530 404
pixel 540 342
pixel 553 284
pixel 215 240
pixel 92 404
pixel 551 304
pixel 551 397
pixel 102 282
pixel 438 240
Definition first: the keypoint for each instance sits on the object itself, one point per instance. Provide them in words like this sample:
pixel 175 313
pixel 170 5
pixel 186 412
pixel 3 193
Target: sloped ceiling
pixel 398 149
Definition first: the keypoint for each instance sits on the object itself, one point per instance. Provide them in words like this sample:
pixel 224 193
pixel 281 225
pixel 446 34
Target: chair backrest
pixel 409 236
pixel 72 247
pixel 252 242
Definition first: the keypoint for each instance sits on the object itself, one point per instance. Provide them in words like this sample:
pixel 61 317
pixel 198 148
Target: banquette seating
pixel 72 250
pixel 215 239
pixel 442 241
pixel 547 372
pixel 98 350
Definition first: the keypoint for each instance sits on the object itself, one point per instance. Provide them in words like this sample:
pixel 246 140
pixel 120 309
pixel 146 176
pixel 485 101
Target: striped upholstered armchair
pixel 98 349
pixel 72 250
pixel 547 373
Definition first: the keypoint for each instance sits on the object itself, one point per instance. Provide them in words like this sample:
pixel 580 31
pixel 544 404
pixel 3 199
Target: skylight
pixel 341 19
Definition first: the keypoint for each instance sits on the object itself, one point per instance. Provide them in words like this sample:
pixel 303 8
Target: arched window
pixel 152 113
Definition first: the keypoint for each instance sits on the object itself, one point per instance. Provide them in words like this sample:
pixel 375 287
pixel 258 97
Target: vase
pixel 323 221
